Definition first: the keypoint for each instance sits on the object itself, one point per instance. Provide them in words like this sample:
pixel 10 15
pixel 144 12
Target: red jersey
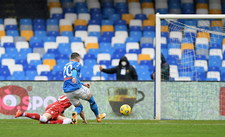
pixel 62 102
pixel 58 107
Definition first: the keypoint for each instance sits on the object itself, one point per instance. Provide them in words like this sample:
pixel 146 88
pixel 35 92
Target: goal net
pixel 192 46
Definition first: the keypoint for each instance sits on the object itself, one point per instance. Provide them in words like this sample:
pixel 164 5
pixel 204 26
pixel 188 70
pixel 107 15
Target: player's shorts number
pixel 67 71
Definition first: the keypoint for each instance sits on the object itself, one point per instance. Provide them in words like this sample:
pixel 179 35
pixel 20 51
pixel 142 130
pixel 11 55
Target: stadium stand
pixel 38 43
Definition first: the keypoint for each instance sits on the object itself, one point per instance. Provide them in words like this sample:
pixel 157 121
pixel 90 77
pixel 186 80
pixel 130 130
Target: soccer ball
pixel 125 109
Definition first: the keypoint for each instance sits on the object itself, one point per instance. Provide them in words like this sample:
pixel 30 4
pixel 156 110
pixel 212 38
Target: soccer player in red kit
pixel 53 113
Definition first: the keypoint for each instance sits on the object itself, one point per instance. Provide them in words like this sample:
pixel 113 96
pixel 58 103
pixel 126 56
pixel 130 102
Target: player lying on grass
pixel 53 113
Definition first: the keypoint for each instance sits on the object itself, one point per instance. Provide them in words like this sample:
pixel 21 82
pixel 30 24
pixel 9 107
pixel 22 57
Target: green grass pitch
pixel 114 128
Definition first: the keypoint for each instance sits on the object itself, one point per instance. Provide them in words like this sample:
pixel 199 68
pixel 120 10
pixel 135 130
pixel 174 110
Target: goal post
pixel 158 81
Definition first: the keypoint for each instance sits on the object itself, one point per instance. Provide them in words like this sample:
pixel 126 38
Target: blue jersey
pixel 68 85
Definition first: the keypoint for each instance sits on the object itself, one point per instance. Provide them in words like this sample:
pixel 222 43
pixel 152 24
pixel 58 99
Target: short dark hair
pixel 74 55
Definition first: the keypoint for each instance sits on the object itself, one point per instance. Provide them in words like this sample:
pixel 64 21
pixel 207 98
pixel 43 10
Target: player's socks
pixel 55 122
pixel 32 115
pixel 94 106
pixel 36 116
pixel 67 121
pixel 78 109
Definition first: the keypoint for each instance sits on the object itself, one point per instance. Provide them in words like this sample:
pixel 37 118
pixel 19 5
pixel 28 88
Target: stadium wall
pixel 202 102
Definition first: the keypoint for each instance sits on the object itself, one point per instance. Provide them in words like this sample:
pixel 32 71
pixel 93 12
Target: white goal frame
pixel 157 90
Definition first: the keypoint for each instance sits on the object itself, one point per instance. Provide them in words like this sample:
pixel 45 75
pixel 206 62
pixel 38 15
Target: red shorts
pixel 54 110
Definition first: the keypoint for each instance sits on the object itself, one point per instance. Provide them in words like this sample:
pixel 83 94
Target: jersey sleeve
pixel 77 66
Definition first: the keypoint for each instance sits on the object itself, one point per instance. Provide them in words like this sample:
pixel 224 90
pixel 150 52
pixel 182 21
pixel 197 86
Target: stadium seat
pixel 41 68
pixel 33 56
pixel 27 34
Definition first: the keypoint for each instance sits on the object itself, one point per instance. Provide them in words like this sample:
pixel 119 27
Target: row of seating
pixel 57 9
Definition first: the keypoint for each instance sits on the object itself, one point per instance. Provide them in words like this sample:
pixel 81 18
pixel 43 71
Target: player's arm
pixel 86 85
pixel 74 75
pixel 83 117
pixel 109 71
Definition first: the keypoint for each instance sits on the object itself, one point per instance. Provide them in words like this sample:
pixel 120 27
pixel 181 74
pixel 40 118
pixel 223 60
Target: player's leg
pixel 85 94
pixel 35 116
pixel 83 117
pixel 60 120
pixel 72 96
pixel 77 110
pixel 94 108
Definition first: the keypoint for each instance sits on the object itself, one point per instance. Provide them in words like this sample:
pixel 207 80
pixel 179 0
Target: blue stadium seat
pixel 49 39
pixel 62 62
pixel 53 51
pixel 39 28
pixel 146 62
pixel 67 33
pixel 214 61
pixel 95 34
pixel 94 22
pixel 89 56
pixel 90 62
pixel 150 34
pixel 93 52
pixel 64 48
pixel 140 17
pixel 2 78
pixel 132 39
pixel 4 71
pixel 25 51
pixel 174 45
pixel 105 39
pixel 173 60
pixel 96 17
pixel 149 28
pixel 46 73
pixel 80 27
pixel 107 22
pixel 136 51
pixel 57 16
pixel 120 28
pixel 69 10
pixel 22 62
pixel 114 17
pixel 105 62
pixel 53 33
pixel 11 27
pixel 107 4
pixel 12 33
pixel 108 34
pixel 35 62
pixel 19 75
pixel 36 42
pixel 52 21
pixel 75 39
pixel 62 56
pixel 120 22
pixel 48 56
pixel 95 10
pixel 29 68
pixel 40 33
pixel 9 45
pixel 39 22
pixel 12 52
pixel 107 12
pixel 135 28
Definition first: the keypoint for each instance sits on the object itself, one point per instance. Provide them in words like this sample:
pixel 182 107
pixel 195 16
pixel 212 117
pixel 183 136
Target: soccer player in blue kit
pixel 74 89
